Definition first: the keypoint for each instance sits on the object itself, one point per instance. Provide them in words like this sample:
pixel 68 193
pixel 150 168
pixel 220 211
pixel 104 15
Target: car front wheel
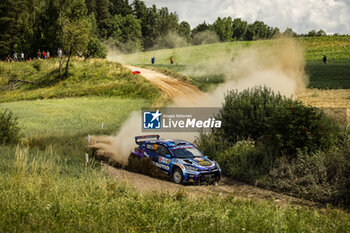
pixel 177 176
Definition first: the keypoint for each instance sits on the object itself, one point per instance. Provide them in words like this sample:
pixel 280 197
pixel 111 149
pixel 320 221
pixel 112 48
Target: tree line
pixel 77 26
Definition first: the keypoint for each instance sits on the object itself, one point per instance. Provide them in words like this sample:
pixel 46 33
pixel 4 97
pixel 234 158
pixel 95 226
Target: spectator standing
pixel 15 56
pixel 87 55
pixel 48 54
pixel 9 58
pixel 38 54
pixel 59 52
pixel 44 55
pixel 153 60
pixel 324 59
pixel 22 56
pixel 171 60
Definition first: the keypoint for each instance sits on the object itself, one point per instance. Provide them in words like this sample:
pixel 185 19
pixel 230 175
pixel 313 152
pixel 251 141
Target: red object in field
pixel 135 72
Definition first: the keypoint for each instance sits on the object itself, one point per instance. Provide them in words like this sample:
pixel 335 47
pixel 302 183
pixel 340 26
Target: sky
pixel 300 15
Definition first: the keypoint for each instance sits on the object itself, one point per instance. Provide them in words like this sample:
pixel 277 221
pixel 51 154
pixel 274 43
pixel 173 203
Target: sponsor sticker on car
pixel 163 160
pixel 162 166
pixel 204 163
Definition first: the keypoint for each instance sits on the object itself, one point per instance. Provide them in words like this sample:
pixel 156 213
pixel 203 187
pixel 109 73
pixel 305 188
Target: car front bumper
pixel 202 177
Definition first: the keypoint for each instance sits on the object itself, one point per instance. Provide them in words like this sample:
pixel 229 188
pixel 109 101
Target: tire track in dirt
pixel 226 187
pixel 182 93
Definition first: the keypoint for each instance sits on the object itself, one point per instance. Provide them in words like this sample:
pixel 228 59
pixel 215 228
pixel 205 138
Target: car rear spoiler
pixel 145 137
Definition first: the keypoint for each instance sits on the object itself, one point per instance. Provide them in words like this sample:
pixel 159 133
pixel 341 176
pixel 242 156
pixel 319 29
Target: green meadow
pixel 334 75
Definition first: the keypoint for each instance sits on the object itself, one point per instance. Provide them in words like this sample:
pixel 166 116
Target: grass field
pixel 72 116
pixel 94 77
pixel 334 75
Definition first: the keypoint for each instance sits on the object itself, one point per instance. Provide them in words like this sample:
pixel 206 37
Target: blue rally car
pixel 181 160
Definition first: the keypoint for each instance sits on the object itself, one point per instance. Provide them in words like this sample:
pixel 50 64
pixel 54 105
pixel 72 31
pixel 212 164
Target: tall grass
pixel 43 191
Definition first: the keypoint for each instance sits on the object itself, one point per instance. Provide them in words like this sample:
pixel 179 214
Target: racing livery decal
pixel 181 160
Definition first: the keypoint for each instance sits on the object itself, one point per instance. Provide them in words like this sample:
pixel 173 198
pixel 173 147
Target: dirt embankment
pixel 181 93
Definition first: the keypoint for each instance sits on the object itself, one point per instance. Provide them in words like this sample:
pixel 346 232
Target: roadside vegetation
pixel 9 130
pixel 94 77
pixel 280 144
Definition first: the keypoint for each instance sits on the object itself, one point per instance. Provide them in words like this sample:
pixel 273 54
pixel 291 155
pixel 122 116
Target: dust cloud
pixel 205 37
pixel 169 41
pixel 278 65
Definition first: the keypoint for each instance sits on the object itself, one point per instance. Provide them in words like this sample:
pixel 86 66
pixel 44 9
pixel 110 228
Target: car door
pixel 151 151
pixel 162 161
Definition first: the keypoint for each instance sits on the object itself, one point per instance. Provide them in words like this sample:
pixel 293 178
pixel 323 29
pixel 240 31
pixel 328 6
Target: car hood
pixel 203 162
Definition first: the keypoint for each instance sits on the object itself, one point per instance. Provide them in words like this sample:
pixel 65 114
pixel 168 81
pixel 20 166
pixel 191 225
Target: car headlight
pixel 191 168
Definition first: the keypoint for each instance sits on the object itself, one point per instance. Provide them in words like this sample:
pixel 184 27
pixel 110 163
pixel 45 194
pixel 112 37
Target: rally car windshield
pixel 187 152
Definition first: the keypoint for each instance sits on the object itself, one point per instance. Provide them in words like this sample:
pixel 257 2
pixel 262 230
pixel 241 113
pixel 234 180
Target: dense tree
pixel 200 28
pixel 15 27
pixel 91 6
pixel 120 7
pixel 185 31
pixel 321 32
pixel 169 21
pixel 223 28
pixel 289 32
pixel 130 40
pixel 75 29
pixel 148 18
pixel 30 25
pixel 312 33
pixel 239 28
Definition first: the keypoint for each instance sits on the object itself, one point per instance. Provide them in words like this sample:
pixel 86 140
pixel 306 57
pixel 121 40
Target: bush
pixel 322 176
pixel 9 131
pixel 277 143
pixel 242 161
pixel 283 124
pixel 37 65
pixel 96 48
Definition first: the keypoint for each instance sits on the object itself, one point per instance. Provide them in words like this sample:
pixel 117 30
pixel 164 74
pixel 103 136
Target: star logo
pixel 152 120
pixel 156 115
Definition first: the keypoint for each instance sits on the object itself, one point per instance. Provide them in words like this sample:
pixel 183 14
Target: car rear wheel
pixel 177 176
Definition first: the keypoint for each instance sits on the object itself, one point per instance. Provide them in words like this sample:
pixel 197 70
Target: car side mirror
pixel 168 156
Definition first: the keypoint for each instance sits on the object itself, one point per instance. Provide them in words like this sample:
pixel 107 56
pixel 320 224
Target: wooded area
pixel 78 26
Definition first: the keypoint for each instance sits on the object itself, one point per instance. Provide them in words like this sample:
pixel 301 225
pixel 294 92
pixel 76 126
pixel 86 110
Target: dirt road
pixel 182 93
pixel 225 187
